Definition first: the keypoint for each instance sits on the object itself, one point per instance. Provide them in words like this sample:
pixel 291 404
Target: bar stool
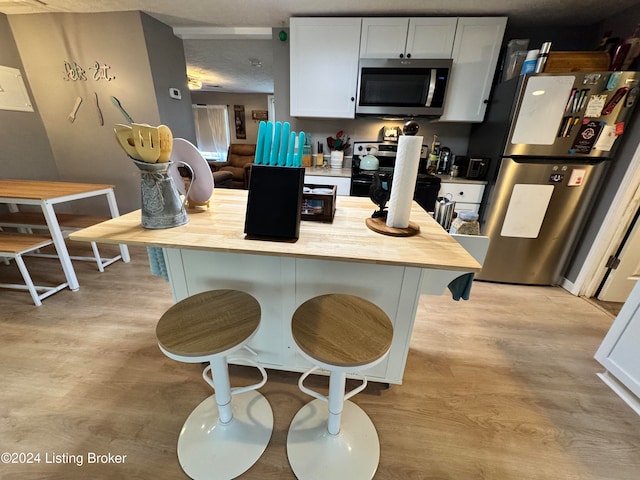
pixel 342 334
pixel 221 438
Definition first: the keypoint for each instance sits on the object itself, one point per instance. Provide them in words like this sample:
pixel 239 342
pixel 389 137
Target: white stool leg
pixel 222 386
pixel 337 382
pixel 224 442
pixel 332 438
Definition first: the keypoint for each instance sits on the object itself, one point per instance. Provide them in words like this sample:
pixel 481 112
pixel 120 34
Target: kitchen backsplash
pixel 454 136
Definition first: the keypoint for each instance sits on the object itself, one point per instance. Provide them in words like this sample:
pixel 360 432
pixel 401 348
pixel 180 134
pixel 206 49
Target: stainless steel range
pixel 427 186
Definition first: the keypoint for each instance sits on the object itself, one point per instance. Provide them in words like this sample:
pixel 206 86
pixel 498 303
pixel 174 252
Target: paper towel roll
pixel 403 186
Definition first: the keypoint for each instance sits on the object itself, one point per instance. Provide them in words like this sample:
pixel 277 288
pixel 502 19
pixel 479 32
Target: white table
pixel 47 194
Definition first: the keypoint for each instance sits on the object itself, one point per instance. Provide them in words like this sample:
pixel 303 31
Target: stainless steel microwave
pixel 402 87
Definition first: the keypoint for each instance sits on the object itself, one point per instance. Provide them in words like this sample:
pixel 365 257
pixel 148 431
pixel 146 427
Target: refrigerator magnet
pixel 606 139
pixel 595 105
pixel 619 95
pixel 632 95
pixel 577 177
pixel 587 136
pixel 613 81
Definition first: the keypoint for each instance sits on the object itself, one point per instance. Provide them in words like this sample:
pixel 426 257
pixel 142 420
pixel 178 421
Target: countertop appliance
pixel 427 186
pixel 402 87
pixel 549 139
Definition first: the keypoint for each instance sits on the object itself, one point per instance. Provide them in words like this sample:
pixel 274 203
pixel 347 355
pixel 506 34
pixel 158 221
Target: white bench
pixel 14 245
pixel 29 221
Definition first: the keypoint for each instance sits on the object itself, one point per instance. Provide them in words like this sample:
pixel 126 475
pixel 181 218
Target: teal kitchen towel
pixel 461 287
pixel 156 262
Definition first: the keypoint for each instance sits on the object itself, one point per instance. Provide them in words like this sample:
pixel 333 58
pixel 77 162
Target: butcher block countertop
pixel 221 229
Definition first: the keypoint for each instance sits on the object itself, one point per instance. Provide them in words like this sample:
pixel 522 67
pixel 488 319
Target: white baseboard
pixel 569 287
pixel 623 392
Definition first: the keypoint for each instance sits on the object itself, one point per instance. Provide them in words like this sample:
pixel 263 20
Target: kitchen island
pixel 344 256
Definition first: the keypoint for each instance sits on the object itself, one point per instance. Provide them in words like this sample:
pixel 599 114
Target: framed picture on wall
pixel 13 93
pixel 241 131
pixel 260 114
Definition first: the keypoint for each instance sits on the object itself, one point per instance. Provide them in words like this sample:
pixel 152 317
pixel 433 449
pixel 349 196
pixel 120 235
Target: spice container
pixel 306 156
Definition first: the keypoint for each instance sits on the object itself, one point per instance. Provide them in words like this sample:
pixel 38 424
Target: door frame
pixel 617 221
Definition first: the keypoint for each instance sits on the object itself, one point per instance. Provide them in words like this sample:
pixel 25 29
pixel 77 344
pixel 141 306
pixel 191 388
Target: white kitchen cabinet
pixel 400 37
pixel 324 66
pixel 619 352
pixel 343 184
pixel 466 195
pixel 475 55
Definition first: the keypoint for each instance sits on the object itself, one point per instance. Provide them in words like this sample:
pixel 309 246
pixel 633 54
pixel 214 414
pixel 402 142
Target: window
pixel 212 131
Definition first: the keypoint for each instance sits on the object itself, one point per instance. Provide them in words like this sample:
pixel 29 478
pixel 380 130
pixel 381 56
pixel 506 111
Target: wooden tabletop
pixel 45 190
pixel 342 330
pixel 221 229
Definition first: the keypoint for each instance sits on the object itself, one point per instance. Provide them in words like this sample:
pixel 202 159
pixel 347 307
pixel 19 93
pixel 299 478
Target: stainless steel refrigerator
pixel 549 139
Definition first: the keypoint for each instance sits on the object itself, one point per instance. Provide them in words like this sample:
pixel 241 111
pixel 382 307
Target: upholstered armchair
pixel 239 160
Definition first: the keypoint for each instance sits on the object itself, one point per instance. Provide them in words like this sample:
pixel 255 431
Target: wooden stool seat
pixel 208 323
pixel 342 330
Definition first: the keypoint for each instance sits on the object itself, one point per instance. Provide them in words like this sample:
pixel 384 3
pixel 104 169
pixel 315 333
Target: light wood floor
pixel 500 387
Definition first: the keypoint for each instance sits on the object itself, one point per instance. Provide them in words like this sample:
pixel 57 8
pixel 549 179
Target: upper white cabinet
pixel 475 54
pixel 324 54
pixel 324 66
pixel 407 37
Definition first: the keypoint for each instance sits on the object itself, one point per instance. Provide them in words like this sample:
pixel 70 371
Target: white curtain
pixel 212 130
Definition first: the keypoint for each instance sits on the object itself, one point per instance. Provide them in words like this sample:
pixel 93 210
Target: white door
pixel 621 281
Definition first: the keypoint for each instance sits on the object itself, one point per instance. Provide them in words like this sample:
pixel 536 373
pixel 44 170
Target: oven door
pixel 360 186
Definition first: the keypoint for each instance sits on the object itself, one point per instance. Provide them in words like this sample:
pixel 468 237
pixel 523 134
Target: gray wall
pixel 564 38
pixel 621 26
pixel 25 151
pixel 85 150
pixel 168 70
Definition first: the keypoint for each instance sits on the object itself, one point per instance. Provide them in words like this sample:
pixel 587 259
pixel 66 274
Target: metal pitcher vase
pixel 161 203
pixel 444 211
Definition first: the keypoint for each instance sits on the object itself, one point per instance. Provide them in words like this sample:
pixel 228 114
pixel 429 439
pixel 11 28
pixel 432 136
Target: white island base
pixel 281 284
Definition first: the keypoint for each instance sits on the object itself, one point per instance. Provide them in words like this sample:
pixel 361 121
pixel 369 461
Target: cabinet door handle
pixel 353 99
pixel 461 194
pixel 402 55
pixel 408 55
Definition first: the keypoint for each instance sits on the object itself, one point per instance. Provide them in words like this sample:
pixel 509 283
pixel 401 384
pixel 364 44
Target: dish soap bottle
pixel 434 156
